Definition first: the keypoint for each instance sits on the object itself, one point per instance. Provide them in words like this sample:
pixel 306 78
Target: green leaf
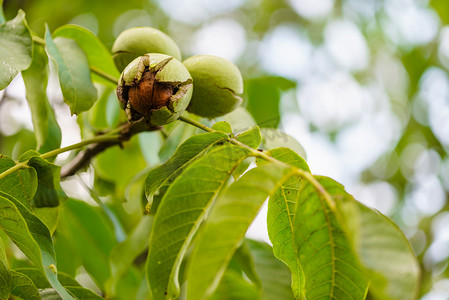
pixel 264 95
pixel 28 232
pixel 46 129
pixel 222 126
pixel 97 54
pixel 16 48
pixel 49 192
pixel 5 274
pixel 74 74
pixel 383 250
pixel 21 184
pixel 180 213
pixel 23 287
pixel 274 275
pixel 190 150
pixel 273 138
pixel 233 286
pixel 227 224
pixel 250 137
pixel 92 236
pixel 281 215
pixel 330 267
pixel 240 119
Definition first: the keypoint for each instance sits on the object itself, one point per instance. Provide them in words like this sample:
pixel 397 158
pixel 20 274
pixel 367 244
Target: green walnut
pixel 138 41
pixel 155 87
pixel 217 85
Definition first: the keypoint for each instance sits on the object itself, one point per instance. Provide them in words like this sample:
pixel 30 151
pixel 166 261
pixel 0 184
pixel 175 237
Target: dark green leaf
pixel 16 48
pixel 180 213
pixel 74 75
pixel 2 16
pixel 281 215
pixel 190 150
pixel 274 275
pixel 97 54
pixel 331 269
pixel 21 184
pixel 227 224
pixel 5 274
pixel 49 192
pixel 46 129
pixel 23 287
pixel 264 95
pixel 383 250
pixel 29 226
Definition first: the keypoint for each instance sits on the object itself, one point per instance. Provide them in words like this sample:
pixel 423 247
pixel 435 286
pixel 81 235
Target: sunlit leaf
pixel 330 267
pixel 180 213
pixel 227 224
pixel 187 152
pixel 383 250
pixel 250 137
pixel 281 215
pixel 23 287
pixel 73 70
pixel 97 54
pixel 46 129
pixel 16 48
pixel 222 126
pixel 274 276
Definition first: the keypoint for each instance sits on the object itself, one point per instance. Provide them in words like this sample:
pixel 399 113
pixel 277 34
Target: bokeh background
pixel 363 85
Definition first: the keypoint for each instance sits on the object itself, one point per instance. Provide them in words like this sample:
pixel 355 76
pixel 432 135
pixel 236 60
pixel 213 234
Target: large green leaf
pixel 227 224
pixel 21 184
pixel 5 274
pixel 28 232
pixel 46 129
pixel 16 48
pixel 97 55
pixel 187 152
pixel 74 74
pixel 92 236
pixel 274 275
pixel 180 213
pixel 383 250
pixel 326 256
pixel 23 287
pixel 281 215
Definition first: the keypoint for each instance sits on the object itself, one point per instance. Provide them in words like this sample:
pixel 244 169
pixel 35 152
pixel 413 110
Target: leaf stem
pixel 261 154
pixel 105 75
pixel 95 140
